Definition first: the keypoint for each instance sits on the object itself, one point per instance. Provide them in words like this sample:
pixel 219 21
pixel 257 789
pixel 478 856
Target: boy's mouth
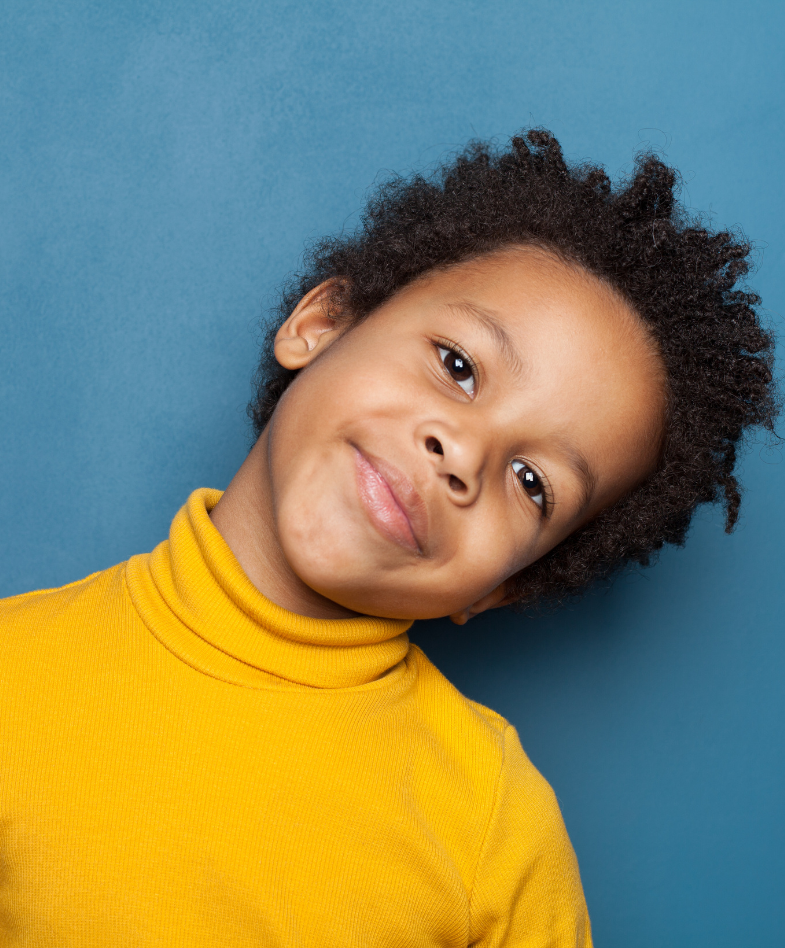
pixel 391 501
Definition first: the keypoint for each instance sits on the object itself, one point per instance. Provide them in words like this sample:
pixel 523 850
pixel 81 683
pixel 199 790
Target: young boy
pixel 510 382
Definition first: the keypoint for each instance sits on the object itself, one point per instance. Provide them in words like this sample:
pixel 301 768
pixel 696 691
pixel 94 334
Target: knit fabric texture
pixel 185 763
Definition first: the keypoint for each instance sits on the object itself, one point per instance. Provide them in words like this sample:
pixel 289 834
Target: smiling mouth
pixel 391 502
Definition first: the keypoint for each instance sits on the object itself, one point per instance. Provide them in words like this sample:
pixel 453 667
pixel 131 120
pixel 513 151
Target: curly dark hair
pixel 675 272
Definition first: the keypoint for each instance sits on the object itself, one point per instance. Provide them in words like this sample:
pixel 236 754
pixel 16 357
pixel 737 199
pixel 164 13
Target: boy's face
pixel 456 435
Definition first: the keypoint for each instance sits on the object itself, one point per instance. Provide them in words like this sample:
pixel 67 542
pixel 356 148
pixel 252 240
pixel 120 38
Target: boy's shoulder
pixel 444 698
pixel 486 766
pixel 476 734
pixel 32 612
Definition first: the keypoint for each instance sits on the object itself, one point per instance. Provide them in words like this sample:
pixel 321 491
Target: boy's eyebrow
pixel 582 469
pixel 493 325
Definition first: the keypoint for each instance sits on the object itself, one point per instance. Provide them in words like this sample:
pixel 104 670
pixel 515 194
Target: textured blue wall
pixel 161 166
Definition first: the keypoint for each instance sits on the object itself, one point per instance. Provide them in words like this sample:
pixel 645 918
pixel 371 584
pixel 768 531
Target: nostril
pixel 434 446
pixel 457 484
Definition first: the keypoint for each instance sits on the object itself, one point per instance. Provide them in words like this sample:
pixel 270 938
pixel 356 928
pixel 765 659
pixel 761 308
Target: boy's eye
pixel 531 481
pixel 459 368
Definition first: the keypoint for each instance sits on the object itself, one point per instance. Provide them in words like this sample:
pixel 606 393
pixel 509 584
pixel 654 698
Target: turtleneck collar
pixel 194 597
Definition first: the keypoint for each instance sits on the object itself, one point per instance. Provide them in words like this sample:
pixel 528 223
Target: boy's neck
pixel 244 518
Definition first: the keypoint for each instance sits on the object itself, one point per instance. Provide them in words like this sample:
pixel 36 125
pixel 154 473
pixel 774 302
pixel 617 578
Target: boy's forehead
pixel 515 273
pixel 506 290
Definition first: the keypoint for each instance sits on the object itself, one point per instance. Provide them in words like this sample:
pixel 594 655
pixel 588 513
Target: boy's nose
pixel 455 463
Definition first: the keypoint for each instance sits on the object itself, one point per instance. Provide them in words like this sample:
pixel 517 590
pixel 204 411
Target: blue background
pixel 162 165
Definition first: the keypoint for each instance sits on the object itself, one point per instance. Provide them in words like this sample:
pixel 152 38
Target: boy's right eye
pixel 459 367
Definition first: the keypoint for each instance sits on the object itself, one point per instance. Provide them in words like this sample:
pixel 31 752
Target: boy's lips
pixel 391 501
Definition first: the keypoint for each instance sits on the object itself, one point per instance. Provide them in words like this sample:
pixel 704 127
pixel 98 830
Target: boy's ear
pixel 310 329
pixel 493 600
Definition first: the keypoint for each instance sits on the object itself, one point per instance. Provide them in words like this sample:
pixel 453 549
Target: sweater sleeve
pixel 527 891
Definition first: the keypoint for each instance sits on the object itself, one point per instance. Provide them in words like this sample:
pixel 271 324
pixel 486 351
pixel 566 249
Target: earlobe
pixel 494 599
pixel 310 329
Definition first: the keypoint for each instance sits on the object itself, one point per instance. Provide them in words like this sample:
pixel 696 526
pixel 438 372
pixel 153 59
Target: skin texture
pixel 386 485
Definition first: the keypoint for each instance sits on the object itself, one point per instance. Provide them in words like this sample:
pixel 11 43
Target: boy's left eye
pixel 531 482
pixel 458 367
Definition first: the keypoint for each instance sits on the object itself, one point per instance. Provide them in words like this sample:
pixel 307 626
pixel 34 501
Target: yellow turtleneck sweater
pixel 184 763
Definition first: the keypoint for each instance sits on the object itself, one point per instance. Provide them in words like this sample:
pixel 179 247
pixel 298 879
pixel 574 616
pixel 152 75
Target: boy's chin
pixel 364 573
pixel 382 608
pixel 387 601
pixel 331 552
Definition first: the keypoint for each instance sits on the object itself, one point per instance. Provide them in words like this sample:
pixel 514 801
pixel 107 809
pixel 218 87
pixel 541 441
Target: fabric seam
pixel 494 807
